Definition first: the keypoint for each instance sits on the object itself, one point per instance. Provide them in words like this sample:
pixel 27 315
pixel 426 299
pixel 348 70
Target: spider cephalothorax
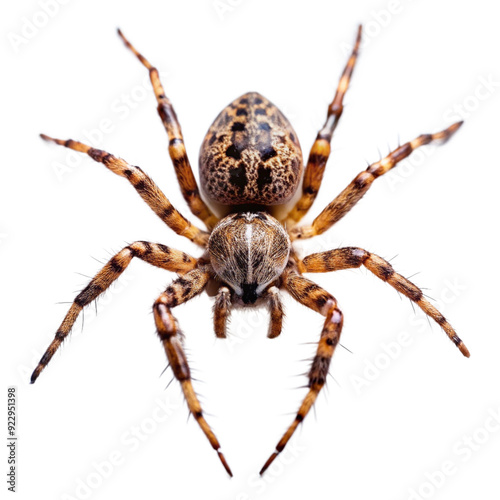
pixel 248 251
pixel 250 161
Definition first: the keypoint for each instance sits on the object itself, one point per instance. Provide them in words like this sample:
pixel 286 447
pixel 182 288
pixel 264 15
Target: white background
pixel 389 423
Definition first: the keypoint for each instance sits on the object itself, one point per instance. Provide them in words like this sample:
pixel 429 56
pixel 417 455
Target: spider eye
pixel 249 295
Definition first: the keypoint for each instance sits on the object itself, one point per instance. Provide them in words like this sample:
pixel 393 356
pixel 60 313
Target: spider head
pixel 248 251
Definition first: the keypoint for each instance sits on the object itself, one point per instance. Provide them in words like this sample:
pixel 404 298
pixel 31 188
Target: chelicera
pixel 250 165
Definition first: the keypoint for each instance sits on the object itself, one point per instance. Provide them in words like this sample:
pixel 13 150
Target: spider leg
pixel 178 292
pixel 347 258
pixel 312 295
pixel 362 182
pixel 222 310
pixel 176 149
pixel 276 310
pixel 144 185
pixel 320 151
pixel 153 253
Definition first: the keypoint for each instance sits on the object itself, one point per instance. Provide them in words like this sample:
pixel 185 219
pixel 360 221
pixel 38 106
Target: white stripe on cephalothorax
pixel 248 237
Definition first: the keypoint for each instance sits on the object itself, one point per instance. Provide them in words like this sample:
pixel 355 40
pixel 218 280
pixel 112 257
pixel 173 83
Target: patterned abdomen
pixel 250 155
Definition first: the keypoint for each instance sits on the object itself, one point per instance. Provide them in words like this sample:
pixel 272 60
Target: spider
pixel 250 164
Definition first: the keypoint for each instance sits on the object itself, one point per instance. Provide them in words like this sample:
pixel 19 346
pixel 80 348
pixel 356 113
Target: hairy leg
pixel 347 258
pixel 222 310
pixel 276 309
pixel 311 295
pixel 153 253
pixel 320 151
pixel 144 185
pixel 180 291
pixel 362 182
pixel 176 148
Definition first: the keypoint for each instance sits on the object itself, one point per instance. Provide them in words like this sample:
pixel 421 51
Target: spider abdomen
pixel 250 155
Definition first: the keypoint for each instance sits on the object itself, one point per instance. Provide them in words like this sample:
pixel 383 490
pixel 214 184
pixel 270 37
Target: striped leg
pixel 176 148
pixel 178 292
pixel 347 258
pixel 311 295
pixel 320 150
pixel 222 309
pixel 155 254
pixel 362 182
pixel 144 185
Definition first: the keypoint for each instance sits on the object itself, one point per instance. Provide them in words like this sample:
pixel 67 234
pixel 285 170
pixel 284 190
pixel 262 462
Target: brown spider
pixel 250 163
